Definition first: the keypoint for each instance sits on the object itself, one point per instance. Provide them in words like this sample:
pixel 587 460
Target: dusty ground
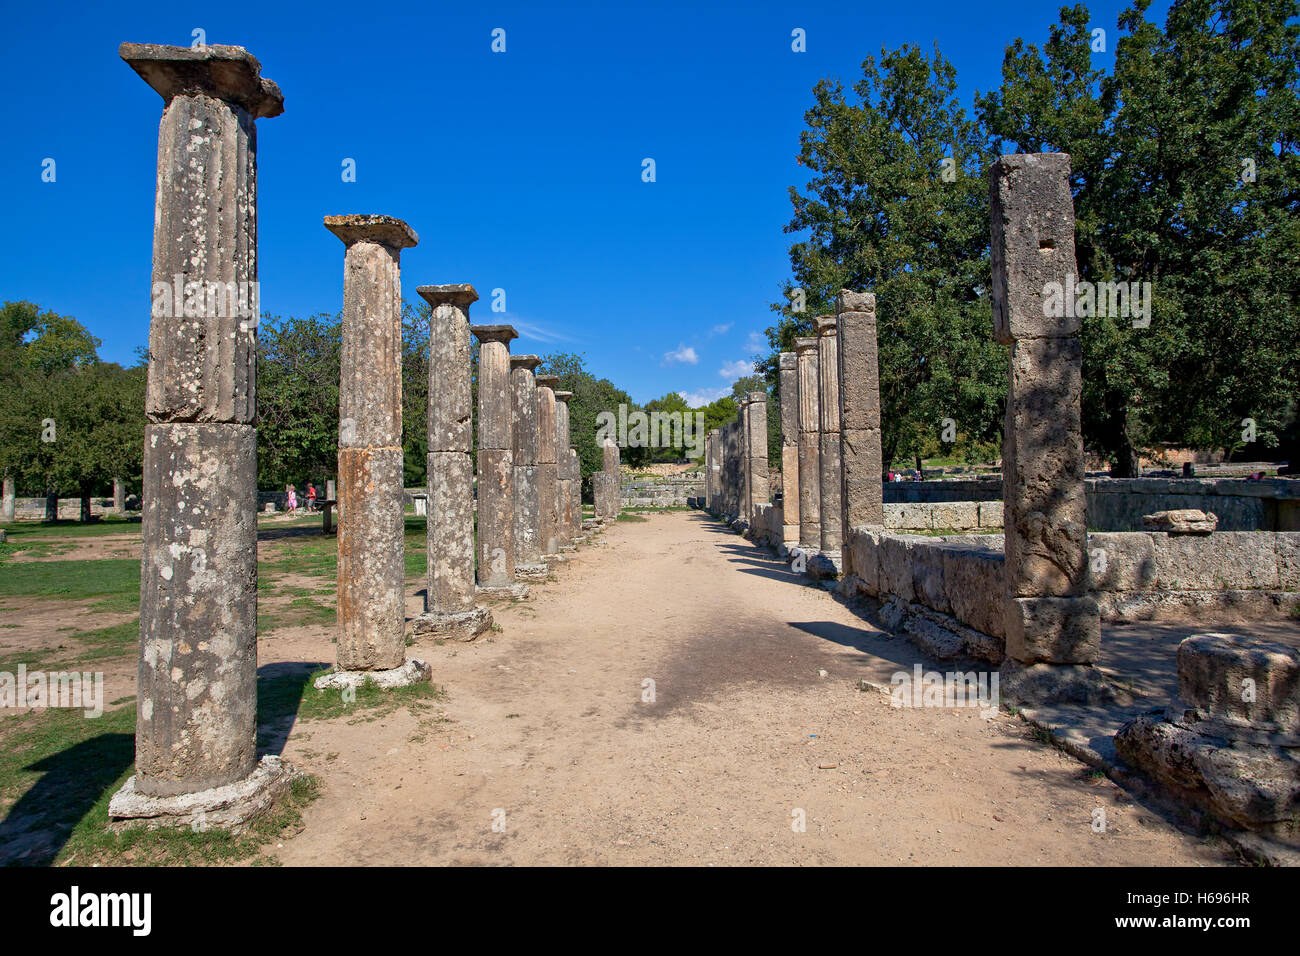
pixel 545 735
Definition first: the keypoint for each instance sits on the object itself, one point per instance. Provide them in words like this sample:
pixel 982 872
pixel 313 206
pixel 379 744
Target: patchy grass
pixel 628 516
pixel 110 524
pixel 115 580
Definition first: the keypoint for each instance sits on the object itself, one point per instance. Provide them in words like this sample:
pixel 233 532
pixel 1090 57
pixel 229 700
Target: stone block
pixel 990 514
pixel 1225 560
pixel 862 490
pixel 928 577
pixel 976 587
pixel 1058 630
pixel 1122 561
pixel 1241 681
pixel 896 566
pixel 1181 521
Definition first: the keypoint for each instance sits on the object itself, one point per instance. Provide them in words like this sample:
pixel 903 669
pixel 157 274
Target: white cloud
pixel 683 353
pixel 531 330
pixel 734 370
pixel 704 396
pixel 721 329
pixel 757 342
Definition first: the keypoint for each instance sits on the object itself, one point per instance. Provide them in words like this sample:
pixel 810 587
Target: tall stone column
pixel 372 534
pixel 196 723
pixel 8 500
pixel 547 467
pixel 828 402
pixel 450 593
pixel 759 490
pixel 524 447
pixel 788 382
pixel 119 496
pixel 810 493
pixel 863 500
pixel 568 520
pixel 605 483
pixel 496 531
pixel 746 509
pixel 1053 625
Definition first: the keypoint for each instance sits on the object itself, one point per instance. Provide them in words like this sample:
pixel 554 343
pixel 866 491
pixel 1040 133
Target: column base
pixel 412 672
pixel 231 807
pixel 555 558
pixel 825 565
pixel 533 572
pixel 457 625
pixel 1057 684
pixel 514 591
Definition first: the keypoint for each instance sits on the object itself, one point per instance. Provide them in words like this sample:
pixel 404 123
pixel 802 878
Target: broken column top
pixel 804 344
pixel 494 333
pixel 848 301
pixel 826 324
pixel 789 360
pixel 529 362
pixel 461 293
pixel 757 396
pixel 563 396
pixel 366 227
pixel 548 381
pixel 229 73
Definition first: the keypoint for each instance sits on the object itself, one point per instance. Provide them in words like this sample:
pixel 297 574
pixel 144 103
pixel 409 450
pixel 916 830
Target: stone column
pixel 863 500
pixel 119 496
pixel 524 447
pixel 330 490
pixel 743 489
pixel 196 724
pixel 789 395
pixel 1052 624
pixel 605 483
pixel 568 520
pixel 450 593
pixel 8 500
pixel 496 525
pixel 547 467
pixel 759 491
pixel 810 495
pixel 828 406
pixel 372 535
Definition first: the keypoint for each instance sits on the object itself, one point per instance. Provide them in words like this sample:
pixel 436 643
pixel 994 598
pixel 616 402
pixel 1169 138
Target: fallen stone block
pixel 1181 521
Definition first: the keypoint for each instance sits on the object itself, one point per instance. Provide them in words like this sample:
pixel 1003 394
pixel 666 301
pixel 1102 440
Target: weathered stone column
pixel 758 489
pixel 496 531
pixel 524 447
pixel 810 494
pixel 8 500
pixel 743 489
pixel 119 495
pixel 449 597
pixel 605 483
pixel 547 467
pixel 196 724
pixel 828 405
pixel 372 536
pixel 568 520
pixel 788 382
pixel 863 501
pixel 1053 625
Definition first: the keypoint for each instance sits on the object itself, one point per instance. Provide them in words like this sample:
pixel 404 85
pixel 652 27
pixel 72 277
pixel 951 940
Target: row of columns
pixel 736 477
pixel 196 748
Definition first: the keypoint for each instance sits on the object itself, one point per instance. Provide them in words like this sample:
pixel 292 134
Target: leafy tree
pixel 898 205
pixel 1187 176
pixel 297 399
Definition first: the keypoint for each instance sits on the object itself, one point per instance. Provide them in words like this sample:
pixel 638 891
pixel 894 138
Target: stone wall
pixel 1134 576
pixel 664 492
pixel 33 509
pixel 1114 504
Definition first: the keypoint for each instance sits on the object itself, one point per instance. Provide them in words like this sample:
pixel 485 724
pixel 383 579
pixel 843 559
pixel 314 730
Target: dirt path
pixel 546 732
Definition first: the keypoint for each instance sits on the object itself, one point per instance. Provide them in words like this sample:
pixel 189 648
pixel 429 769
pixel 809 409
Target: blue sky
pixel 519 170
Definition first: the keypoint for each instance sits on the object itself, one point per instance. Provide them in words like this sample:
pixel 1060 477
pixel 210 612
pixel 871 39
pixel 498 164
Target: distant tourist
pixel 293 501
pixel 311 497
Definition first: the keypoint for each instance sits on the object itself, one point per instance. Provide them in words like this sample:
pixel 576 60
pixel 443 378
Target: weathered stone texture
pixel 1181 521
pixel 449 540
pixel 450 398
pixel 1053 629
pixel 1032 218
pixel 371 560
pixel 496 548
pixel 195 726
pixel 809 444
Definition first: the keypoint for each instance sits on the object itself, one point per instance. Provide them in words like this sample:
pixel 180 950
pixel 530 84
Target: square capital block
pixel 367 227
pixel 228 73
pixel 1032 242
pixel 460 294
